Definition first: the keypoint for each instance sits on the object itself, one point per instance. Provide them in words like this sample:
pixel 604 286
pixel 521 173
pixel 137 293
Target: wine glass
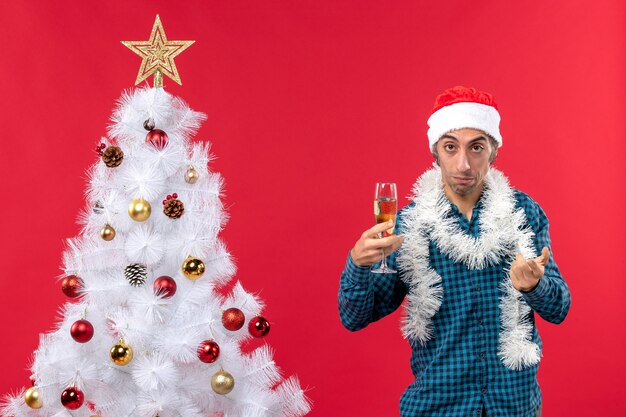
pixel 385 209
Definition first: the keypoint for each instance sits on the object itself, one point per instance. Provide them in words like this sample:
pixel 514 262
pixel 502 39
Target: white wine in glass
pixel 385 209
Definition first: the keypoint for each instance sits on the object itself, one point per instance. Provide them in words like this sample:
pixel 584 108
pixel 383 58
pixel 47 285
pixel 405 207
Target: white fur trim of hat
pixel 464 115
pixel 464 107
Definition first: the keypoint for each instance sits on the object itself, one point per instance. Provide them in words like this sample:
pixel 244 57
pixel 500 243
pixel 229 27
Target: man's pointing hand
pixel 525 274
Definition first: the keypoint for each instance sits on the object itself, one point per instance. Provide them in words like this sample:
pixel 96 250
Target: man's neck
pixel 465 203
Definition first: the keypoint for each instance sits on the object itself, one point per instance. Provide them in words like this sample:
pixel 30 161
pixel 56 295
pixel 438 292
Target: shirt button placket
pixel 480 331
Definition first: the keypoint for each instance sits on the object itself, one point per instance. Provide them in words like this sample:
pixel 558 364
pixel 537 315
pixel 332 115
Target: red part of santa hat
pixel 464 107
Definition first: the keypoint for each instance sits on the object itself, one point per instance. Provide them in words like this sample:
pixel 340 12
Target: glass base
pixel 384 269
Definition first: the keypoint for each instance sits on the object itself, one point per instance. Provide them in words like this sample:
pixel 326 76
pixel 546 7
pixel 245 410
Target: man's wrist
pixel 531 289
pixel 356 272
pixel 539 292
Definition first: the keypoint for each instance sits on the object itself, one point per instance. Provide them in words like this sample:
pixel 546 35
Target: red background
pixel 309 104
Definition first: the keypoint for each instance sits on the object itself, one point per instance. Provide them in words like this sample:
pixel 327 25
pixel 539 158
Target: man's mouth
pixel 463 180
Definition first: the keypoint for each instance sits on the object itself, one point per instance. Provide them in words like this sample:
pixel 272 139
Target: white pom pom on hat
pixel 464 107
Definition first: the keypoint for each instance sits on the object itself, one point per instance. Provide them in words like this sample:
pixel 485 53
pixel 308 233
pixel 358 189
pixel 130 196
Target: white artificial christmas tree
pixel 147 333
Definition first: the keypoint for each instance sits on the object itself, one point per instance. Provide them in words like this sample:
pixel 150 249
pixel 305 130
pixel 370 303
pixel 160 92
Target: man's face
pixel 464 159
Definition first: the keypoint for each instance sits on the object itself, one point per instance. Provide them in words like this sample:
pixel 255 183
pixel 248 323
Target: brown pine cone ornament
pixel 136 274
pixel 148 124
pixel 173 207
pixel 112 156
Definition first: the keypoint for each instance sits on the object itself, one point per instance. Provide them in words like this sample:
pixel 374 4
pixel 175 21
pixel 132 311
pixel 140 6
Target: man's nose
pixel 462 163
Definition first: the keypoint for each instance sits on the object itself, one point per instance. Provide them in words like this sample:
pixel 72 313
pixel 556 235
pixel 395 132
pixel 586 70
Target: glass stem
pixel 383 263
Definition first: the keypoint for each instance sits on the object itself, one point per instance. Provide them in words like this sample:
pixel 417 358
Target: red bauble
pixel 208 351
pixel 72 398
pixel 157 138
pixel 81 331
pixel 258 326
pixel 233 319
pixel 71 286
pixel 164 286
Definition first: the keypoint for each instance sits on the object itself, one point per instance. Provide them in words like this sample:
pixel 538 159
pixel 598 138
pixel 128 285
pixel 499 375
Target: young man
pixel 475 264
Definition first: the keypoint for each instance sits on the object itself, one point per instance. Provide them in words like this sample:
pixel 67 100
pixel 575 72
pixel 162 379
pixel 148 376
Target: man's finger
pixel 381 243
pixel 374 257
pixel 378 228
pixel 545 256
pixel 395 245
pixel 536 269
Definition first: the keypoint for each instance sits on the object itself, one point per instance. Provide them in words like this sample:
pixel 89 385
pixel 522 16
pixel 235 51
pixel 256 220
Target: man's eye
pixel 478 148
pixel 448 147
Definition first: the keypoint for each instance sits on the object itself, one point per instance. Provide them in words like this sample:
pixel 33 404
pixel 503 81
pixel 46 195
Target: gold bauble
pixel 222 382
pixel 191 176
pixel 32 398
pixel 139 210
pixel 193 268
pixel 121 353
pixel 107 233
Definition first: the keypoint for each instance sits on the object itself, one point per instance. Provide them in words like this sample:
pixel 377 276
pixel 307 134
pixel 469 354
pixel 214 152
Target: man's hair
pixel 492 157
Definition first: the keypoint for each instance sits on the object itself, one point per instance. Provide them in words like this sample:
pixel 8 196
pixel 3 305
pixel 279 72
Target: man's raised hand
pixel 368 250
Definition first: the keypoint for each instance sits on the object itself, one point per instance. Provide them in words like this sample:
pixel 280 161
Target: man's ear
pixel 433 151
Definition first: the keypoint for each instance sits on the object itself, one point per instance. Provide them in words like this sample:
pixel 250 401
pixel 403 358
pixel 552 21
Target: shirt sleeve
pixel 550 298
pixel 365 297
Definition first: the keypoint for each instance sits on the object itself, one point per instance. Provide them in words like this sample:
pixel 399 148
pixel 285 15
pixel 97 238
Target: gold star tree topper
pixel 157 55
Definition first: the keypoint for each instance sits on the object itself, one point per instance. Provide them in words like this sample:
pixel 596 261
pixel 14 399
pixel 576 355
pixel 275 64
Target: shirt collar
pixel 475 211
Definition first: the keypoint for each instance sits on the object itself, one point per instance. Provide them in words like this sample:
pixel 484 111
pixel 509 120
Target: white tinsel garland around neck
pixel 504 232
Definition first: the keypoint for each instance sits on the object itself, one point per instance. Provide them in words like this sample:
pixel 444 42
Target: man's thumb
pixel 545 256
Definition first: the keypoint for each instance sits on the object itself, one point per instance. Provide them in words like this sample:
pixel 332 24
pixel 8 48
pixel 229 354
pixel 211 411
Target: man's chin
pixel 462 189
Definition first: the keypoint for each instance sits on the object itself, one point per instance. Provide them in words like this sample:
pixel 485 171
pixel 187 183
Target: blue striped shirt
pixel 458 372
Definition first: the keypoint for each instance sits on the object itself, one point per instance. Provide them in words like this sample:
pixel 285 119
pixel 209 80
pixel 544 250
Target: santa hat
pixel 464 107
